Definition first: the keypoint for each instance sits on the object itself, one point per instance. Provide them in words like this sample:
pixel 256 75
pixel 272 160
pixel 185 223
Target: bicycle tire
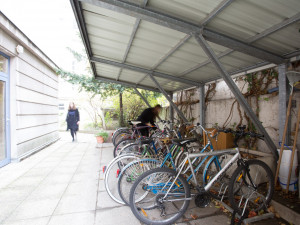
pixel 131 172
pixel 235 190
pixel 122 135
pixel 111 179
pixel 117 132
pixel 169 173
pixel 122 143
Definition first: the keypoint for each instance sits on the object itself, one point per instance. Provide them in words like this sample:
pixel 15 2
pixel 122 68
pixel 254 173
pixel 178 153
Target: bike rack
pixel 248 220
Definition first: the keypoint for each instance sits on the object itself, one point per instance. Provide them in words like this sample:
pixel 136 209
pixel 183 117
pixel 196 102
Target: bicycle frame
pixel 193 155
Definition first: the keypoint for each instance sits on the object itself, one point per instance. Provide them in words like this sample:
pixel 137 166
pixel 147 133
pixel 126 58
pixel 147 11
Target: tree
pixel 99 89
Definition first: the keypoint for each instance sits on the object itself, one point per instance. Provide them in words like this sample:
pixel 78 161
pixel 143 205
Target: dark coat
pixel 147 116
pixel 72 119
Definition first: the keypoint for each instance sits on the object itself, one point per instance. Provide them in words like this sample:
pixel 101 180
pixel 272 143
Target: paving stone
pixel 35 221
pixel 101 186
pixel 57 178
pixel 33 209
pixel 15 194
pixel 86 218
pixel 85 176
pixel 73 204
pixel 48 191
pixel 82 188
pixel 116 216
pixel 7 208
pixel 26 182
pixel 105 201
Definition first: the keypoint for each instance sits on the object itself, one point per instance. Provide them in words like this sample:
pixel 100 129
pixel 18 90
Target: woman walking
pixel 73 120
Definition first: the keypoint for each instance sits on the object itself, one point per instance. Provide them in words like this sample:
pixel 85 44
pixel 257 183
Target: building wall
pixel 218 108
pixel 33 97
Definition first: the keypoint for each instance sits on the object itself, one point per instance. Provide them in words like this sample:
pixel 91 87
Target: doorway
pixel 4 111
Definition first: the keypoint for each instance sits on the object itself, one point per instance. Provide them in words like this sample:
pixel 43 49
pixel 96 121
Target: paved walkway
pixel 63 185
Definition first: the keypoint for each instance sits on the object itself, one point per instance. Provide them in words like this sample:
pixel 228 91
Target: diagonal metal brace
pixel 235 90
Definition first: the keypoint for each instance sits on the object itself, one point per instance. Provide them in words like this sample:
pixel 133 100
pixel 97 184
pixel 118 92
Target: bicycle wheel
pixel 123 134
pixel 157 197
pixel 131 172
pixel 220 186
pixel 117 132
pixel 122 143
pixel 111 175
pixel 251 187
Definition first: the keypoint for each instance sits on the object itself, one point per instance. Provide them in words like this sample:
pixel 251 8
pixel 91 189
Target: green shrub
pixel 102 134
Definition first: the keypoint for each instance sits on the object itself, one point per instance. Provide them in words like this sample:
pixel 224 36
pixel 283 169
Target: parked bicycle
pixel 162 195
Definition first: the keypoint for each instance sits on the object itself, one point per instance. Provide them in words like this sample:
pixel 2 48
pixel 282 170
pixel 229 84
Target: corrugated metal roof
pixel 125 39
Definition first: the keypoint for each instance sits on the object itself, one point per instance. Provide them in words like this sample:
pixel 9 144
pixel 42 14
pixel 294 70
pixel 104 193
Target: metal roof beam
pixel 185 27
pixel 240 46
pixel 77 9
pixel 143 70
pixel 145 14
pixel 174 49
pixel 126 84
pixel 216 11
pixel 275 28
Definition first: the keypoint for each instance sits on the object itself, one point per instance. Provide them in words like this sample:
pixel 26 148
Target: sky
pixel 51 25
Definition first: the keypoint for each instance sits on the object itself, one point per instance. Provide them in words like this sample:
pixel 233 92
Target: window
pixel 3 64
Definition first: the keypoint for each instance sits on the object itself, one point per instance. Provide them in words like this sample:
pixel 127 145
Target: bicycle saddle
pixel 183 142
pixel 133 122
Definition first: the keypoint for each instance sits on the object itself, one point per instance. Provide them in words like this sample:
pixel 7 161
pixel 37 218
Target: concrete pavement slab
pixel 85 218
pixel 116 216
pixel 33 209
pixel 35 221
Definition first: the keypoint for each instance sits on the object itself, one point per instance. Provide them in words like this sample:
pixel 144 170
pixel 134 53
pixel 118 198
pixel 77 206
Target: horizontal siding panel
pixel 31 71
pixel 36 143
pixel 32 84
pixel 28 108
pixel 32 96
pixel 35 120
pixel 37 64
pixel 34 132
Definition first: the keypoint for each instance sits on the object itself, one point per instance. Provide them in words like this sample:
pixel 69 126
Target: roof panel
pixel 129 75
pixel 194 11
pixel 247 18
pixel 109 34
pixel 151 43
pixel 104 70
pixel 284 41
pixel 187 56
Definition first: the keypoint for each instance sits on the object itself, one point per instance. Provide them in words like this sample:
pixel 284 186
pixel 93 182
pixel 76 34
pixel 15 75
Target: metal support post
pixel 283 98
pixel 168 98
pixel 202 105
pixel 171 111
pixel 235 90
pixel 142 97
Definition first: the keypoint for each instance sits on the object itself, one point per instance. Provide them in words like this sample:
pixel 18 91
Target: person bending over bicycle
pixel 148 118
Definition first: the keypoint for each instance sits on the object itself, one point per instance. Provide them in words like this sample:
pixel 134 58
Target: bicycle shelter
pixel 166 46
